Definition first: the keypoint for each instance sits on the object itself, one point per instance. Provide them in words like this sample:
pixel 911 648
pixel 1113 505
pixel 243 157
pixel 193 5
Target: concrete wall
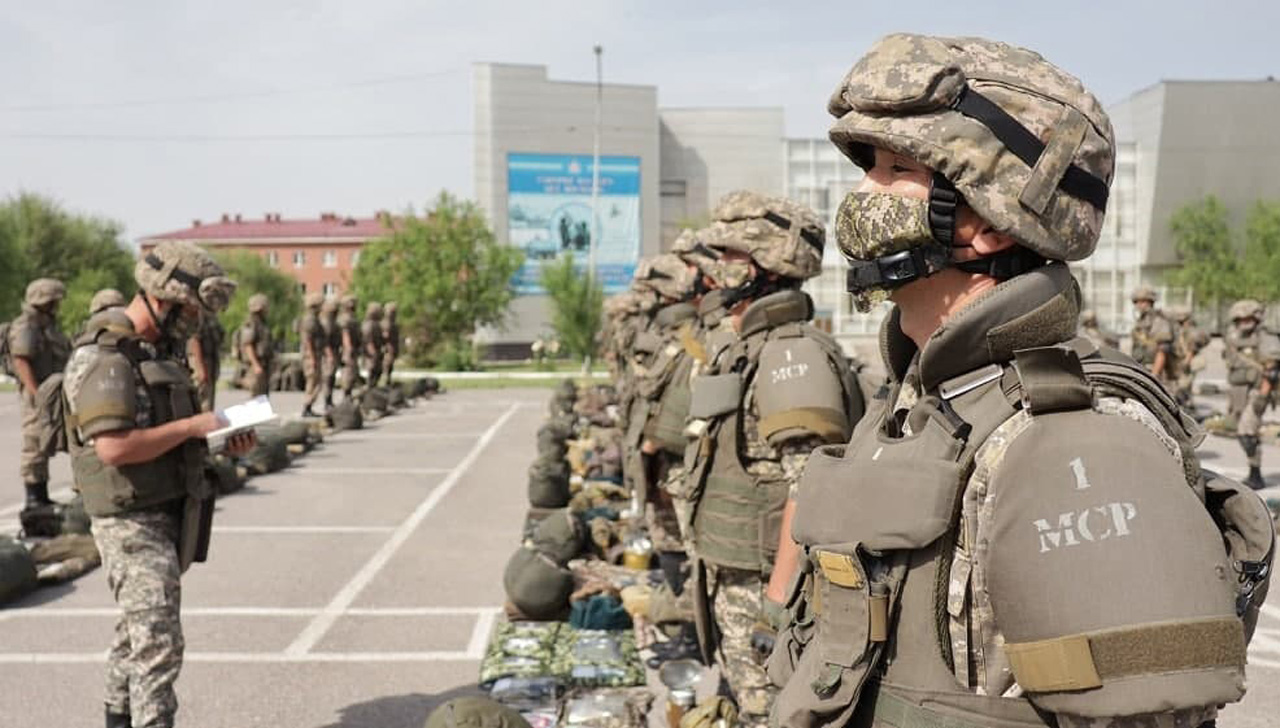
pixel 708 152
pixel 518 109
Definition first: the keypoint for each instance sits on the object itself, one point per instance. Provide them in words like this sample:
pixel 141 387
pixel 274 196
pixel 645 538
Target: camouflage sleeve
pixel 248 334
pixel 1162 334
pixel 1185 718
pixel 24 340
pixel 795 455
pixel 101 391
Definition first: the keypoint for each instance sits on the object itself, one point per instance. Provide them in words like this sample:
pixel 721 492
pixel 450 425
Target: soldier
pixel 1009 468
pixel 332 353
pixel 1152 344
pixel 1188 341
pixel 105 299
pixel 390 340
pixel 1253 366
pixel 311 338
pixel 371 335
pixel 137 449
pixel 204 354
pixel 1091 330
pixel 37 349
pixel 349 326
pixel 779 389
pixel 257 349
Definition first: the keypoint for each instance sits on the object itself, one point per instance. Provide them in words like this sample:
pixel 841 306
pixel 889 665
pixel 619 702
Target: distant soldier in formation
pixel 256 347
pixel 349 326
pixel 1253 366
pixel 390 340
pixel 1153 338
pixel 332 353
pixel 204 355
pixel 1188 341
pixel 311 338
pixel 37 348
pixel 105 299
pixel 1091 330
pixel 371 335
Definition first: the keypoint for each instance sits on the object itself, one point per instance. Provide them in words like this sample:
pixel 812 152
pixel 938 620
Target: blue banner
pixel 549 215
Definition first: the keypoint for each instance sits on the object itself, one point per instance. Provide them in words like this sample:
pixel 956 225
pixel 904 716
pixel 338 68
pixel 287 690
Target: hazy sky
pixel 155 112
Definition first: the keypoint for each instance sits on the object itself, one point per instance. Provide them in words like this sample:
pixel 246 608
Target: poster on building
pixel 549 215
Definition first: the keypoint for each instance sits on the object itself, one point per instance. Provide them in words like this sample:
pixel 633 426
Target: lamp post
pixel 595 169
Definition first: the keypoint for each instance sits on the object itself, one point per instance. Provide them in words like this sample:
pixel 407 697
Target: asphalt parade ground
pixel 357 589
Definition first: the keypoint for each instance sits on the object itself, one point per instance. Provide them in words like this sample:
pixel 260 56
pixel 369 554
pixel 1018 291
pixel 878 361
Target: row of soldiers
pixel 334 341
pixel 335 345
pixel 1169 344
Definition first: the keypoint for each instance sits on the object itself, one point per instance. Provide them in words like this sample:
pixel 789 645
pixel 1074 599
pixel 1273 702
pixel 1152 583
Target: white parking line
pixel 64 494
pixel 303 529
pixel 373 471
pixel 427 435
pixel 79 658
pixel 482 614
pixel 315 631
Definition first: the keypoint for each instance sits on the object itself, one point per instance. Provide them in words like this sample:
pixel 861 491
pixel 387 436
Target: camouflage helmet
pixel 313 300
pixel 391 308
pixel 181 272
pixel 348 302
pixel 1247 308
pixel 1180 314
pixel 669 276
pixel 781 236
pixel 1144 293
pixel 330 305
pixel 259 303
pixel 44 291
pixel 373 310
pixel 475 711
pixel 106 298
pixel 1025 144
pixel 1088 317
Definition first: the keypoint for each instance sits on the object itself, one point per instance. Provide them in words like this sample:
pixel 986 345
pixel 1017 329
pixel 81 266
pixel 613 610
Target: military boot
pixel 118 720
pixel 307 412
pixel 1255 479
pixel 38 494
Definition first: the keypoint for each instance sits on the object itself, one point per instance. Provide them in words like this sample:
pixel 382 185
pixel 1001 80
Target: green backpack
pixel 17 570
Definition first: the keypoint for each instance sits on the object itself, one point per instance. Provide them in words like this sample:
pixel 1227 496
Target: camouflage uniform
pixel 390 340
pixel 211 335
pixel 1153 333
pixel 141 528
pixel 1188 341
pixel 371 336
pixel 1253 356
pixel 256 335
pixel 312 337
pixel 349 333
pixel 1091 330
pixel 332 352
pixel 35 337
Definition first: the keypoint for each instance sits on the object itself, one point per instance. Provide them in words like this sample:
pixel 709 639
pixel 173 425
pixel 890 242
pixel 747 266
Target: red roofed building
pixel 320 253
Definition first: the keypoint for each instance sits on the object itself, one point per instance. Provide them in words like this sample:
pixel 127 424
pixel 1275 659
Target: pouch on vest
pixel 1249 533
pixel 1073 514
pixel 715 395
pixel 796 634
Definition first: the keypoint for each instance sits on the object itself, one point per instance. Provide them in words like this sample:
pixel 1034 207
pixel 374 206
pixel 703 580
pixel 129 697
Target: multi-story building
pixel 320 253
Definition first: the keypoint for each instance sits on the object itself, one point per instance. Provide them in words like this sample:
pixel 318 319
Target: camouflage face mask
pixel 887 241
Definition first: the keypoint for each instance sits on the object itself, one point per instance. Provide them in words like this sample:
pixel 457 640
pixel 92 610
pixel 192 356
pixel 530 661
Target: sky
pixel 157 112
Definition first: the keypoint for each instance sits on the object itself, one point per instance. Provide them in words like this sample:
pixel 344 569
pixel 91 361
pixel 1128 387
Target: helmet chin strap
pixel 898 269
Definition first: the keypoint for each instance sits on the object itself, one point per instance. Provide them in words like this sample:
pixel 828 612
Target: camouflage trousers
pixel 375 371
pixel 140 555
pixel 388 364
pixel 350 375
pixel 33 465
pixel 311 371
pixel 208 389
pixel 328 378
pixel 736 600
pixel 257 383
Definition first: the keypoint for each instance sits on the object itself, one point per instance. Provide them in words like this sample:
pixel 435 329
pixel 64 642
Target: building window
pixel 355 258
pixel 331 259
pixel 330 289
pixel 302 288
pixel 273 259
pixel 299 258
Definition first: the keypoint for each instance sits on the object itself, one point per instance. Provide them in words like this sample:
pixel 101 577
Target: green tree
pixel 447 274
pixel 252 275
pixel 577 303
pixel 38 238
pixel 1204 243
pixel 1262 252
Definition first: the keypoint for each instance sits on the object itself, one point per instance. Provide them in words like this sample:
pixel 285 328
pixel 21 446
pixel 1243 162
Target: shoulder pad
pixel 799 391
pixel 100 388
pixel 675 314
pixel 1082 502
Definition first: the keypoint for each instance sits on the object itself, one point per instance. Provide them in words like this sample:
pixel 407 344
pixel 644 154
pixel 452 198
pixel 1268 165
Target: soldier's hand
pixel 202 424
pixel 242 443
pixel 257 369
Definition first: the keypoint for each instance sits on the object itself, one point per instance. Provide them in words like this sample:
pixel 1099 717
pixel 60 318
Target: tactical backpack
pixel 41 521
pixel 17 570
pixel 345 416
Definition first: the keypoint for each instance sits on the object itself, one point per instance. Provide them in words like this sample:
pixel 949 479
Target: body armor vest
pixel 177 473
pixel 1244 366
pixel 1145 344
pixel 738 516
pixel 348 324
pixel 666 388
pixel 872 632
pixel 313 331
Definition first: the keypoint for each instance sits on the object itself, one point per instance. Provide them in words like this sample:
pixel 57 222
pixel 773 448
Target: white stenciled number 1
pixel 1082 478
